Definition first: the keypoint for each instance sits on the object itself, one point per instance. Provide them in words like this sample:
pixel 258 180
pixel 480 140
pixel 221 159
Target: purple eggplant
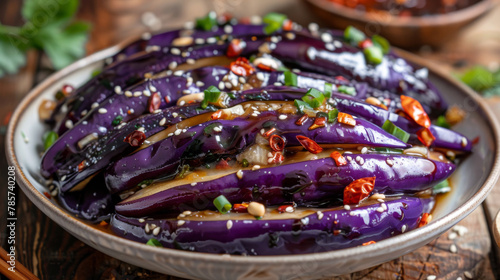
pixel 310 184
pixel 214 139
pixel 327 230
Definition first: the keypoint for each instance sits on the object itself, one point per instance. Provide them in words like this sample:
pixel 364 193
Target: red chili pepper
pixel 302 120
pixel 426 218
pixel 287 25
pixel 154 102
pixel 216 115
pixel 222 164
pixel 365 43
pixel 358 190
pixel 47 195
pixel 235 48
pixel 415 111
pixel 81 166
pixel 283 209
pixel 277 143
pixel 425 136
pixel 346 119
pixel 265 67
pixel 339 158
pixel 369 243
pixel 277 157
pixel 341 78
pixel 240 208
pixel 318 122
pixel 241 67
pixel 309 144
pixel 269 132
pixel 135 138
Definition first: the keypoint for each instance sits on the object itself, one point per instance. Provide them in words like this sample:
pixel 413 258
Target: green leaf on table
pixel 43 12
pixel 478 78
pixel 494 91
pixel 12 54
pixel 63 46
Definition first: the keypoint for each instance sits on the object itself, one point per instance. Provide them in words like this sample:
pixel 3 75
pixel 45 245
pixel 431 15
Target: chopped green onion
pixel 207 22
pixel 301 105
pixel 273 22
pixel 382 43
pixel 332 115
pixel 245 163
pixel 48 139
pixel 314 98
pixel 153 242
pixel 222 204
pixel 212 94
pixel 374 54
pixel 396 131
pixel 442 187
pixel 442 122
pixel 96 72
pixel 117 120
pixel 328 90
pixel 347 90
pixel 388 150
pixel 182 173
pixel 353 35
pixel 231 95
pixel 290 79
pixel 59 95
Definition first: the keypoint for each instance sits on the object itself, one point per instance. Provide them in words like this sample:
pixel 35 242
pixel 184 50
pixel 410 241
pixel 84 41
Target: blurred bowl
pixel 406 32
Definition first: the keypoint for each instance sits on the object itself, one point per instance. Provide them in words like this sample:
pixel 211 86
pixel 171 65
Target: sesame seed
pixel 193 184
pixel 83 113
pixel 269 154
pixel 278 84
pixel 352 213
pixel 326 37
pixel 269 160
pixel 146 93
pixel 313 27
pixel 383 205
pixel 118 90
pixel 94 105
pixel 180 222
pixel 228 29
pixel 152 88
pixel 289 209
pixel 141 220
pixel 380 209
pixel 468 275
pixel 464 141
pixel 178 73
pixel 453 248
pixel 211 40
pixel 182 103
pixel 349 158
pixel 282 117
pixel 217 129
pixel 234 82
pixel 184 130
pixel 431 277
pixel 178 131
pixel 146 228
pixel 290 35
pixel 156 231
pixel 229 224
pixel 143 186
pixel 241 80
pixel 102 111
pixel 137 93
pixel 239 174
pixel 228 85
pixel 221 85
pixel 330 47
pixel 69 124
pixel 452 235
pixel 199 41
pixel 174 114
pixel 170 134
pixel 190 61
pixel 377 196
pixel 255 167
pixel 157 111
pixel 347 207
pixel 131 111
pixel 186 91
pixel 380 200
pixel 181 216
pixel 260 76
pixel 364 150
pixel 187 213
pixel 54 192
pixel 337 44
pixel 175 51
pixel 172 65
pixel 403 228
pixel 200 83
pixel 262 131
pixel 141 129
pixel 389 162
pixel 128 93
pixel 459 278
pixel 320 215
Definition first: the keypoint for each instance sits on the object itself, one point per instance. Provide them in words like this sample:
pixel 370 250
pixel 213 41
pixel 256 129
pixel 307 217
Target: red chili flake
pixel 235 48
pixel 425 136
pixel 241 67
pixel 415 111
pixel 365 43
pixel 47 195
pixel 135 138
pixel 265 67
pixel 475 141
pixel 216 115
pixel 369 243
pixel 341 78
pixel 283 208
pixel 339 158
pixel 81 166
pixel 67 89
pixel 302 120
pixel 167 99
pixel 287 25
pixel 426 218
pixel 346 119
pixel 358 190
pixel 277 143
pixel 154 102
pixel 222 164
pixel 269 132
pixel 240 208
pixel 309 144
pixel 103 223
pixel 276 158
pixel 336 231
pixel 318 122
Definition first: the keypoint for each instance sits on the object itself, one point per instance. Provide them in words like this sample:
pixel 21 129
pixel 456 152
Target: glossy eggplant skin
pixel 331 230
pixel 163 158
pixel 310 184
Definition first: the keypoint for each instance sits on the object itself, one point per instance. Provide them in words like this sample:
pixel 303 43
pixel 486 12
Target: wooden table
pixel 51 253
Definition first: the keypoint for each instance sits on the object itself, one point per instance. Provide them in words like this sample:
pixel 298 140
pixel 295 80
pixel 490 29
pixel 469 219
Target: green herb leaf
pixel 273 22
pixel 48 139
pixel 442 122
pixel 374 54
pixel 153 242
pixel 12 54
pixel 207 22
pixel 478 78
pixel 46 11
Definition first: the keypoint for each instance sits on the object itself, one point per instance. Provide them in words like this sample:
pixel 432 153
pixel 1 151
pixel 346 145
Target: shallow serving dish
pixel 471 182
pixel 405 32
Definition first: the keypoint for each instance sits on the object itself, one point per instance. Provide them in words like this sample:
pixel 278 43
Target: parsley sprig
pixel 49 26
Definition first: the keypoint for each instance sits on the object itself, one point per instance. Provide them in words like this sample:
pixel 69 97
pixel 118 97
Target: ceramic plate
pixel 472 181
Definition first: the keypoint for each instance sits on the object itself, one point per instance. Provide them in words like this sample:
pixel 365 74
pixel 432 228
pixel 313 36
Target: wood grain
pixel 51 253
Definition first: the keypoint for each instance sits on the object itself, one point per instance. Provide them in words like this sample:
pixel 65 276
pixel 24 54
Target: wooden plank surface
pixel 51 253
